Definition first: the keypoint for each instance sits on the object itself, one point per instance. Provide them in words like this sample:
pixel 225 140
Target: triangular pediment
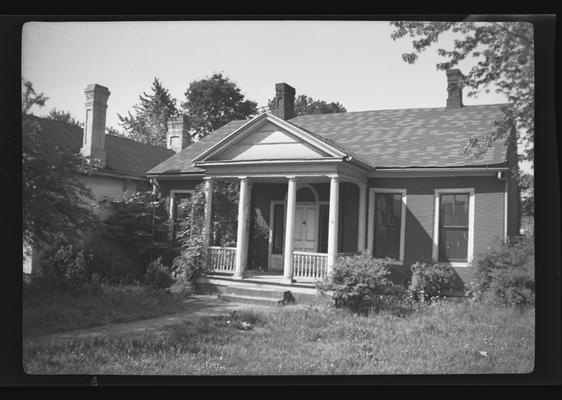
pixel 269 138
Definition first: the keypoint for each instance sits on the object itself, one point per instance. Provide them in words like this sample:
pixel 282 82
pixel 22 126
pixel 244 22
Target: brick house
pixel 390 182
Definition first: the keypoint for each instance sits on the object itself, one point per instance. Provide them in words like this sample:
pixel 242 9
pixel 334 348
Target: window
pixel 181 209
pixel 324 213
pixel 278 231
pixel 453 227
pixel 387 223
pixel 453 233
pixel 388 216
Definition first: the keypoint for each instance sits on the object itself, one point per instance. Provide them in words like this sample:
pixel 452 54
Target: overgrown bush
pixel 113 262
pixel 140 223
pixel 357 282
pixel 158 276
pixel 429 281
pixel 505 274
pixel 64 270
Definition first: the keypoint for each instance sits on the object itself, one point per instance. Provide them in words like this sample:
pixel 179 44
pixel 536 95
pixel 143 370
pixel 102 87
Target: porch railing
pixel 310 265
pixel 221 259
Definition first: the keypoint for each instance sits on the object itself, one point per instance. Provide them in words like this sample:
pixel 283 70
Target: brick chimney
pixel 93 144
pixel 284 101
pixel 454 88
pixel 177 137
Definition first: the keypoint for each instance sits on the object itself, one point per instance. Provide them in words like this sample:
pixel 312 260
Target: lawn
pixel 444 338
pixel 44 312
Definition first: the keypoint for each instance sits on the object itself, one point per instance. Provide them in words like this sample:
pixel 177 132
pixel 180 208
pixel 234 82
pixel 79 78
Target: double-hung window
pixel 453 232
pixel 387 223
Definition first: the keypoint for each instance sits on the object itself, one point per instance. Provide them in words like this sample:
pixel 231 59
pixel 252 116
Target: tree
pixel 56 204
pixel 29 97
pixel 149 121
pixel 504 55
pixel 213 102
pixel 114 131
pixel 306 105
pixel 64 116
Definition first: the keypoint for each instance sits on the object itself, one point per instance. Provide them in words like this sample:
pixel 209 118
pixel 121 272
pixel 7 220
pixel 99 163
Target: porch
pixel 303 229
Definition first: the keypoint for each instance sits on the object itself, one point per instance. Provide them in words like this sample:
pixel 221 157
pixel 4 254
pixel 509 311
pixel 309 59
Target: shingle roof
pixel 421 137
pixel 123 156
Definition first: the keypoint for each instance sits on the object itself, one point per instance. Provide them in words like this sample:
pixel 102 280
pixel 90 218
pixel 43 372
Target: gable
pixel 268 141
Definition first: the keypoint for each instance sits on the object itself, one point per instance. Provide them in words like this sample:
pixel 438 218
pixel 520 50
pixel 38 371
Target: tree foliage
pixel 29 97
pixel 213 102
pixel 64 116
pixel 305 105
pixel 149 121
pixel 56 204
pixel 504 55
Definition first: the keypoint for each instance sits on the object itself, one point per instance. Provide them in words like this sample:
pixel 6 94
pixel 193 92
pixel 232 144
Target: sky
pixel 355 63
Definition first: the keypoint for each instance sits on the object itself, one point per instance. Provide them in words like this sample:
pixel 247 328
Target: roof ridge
pixel 137 142
pixel 399 109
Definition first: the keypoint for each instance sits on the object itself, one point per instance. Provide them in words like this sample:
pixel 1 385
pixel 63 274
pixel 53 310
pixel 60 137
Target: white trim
pixel 319 144
pixel 470 245
pixel 434 172
pixel 173 192
pixel 505 208
pixel 320 160
pixel 272 205
pixel 371 215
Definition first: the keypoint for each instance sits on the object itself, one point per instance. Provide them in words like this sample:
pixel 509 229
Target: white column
pixel 289 230
pixel 333 222
pixel 208 214
pixel 243 231
pixel 362 220
pixel 371 226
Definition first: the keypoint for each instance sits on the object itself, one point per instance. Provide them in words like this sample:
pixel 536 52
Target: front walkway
pixel 197 306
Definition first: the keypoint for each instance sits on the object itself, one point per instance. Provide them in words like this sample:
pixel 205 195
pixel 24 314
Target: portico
pixel 303 228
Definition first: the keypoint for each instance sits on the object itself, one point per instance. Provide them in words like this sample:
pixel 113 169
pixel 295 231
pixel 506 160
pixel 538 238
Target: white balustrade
pixel 221 259
pixel 310 265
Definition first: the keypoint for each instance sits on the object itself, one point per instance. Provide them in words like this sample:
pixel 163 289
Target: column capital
pixel 208 178
pixel 291 178
pixel 333 176
pixel 362 185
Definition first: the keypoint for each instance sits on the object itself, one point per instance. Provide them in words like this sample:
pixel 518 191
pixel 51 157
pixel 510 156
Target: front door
pixel 305 228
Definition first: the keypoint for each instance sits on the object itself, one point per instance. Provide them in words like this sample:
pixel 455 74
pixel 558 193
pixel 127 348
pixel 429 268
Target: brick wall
pixel 488 210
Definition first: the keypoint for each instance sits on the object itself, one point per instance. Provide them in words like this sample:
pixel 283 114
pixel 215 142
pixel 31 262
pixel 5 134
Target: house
pixel 124 162
pixel 390 182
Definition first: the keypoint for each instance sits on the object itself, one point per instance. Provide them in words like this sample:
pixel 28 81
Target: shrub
pixel 505 274
pixel 186 268
pixel 64 270
pixel 357 282
pixel 112 262
pixel 140 224
pixel 158 276
pixel 430 280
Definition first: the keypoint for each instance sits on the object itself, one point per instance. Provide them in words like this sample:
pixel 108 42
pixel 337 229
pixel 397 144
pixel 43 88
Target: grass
pixel 444 338
pixel 44 313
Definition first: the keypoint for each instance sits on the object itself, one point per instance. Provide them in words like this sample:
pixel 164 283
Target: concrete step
pixel 255 300
pixel 257 292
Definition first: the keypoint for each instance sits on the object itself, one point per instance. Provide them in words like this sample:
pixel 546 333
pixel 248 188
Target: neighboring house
pixel 391 182
pixel 124 161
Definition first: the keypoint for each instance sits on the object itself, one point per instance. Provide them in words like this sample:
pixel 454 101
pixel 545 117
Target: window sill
pixel 457 264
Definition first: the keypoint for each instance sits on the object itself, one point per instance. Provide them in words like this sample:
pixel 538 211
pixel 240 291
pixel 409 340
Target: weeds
pixel 438 338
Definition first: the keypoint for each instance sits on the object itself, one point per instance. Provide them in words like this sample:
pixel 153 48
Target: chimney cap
pixel 284 87
pixel 96 87
pixel 455 71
